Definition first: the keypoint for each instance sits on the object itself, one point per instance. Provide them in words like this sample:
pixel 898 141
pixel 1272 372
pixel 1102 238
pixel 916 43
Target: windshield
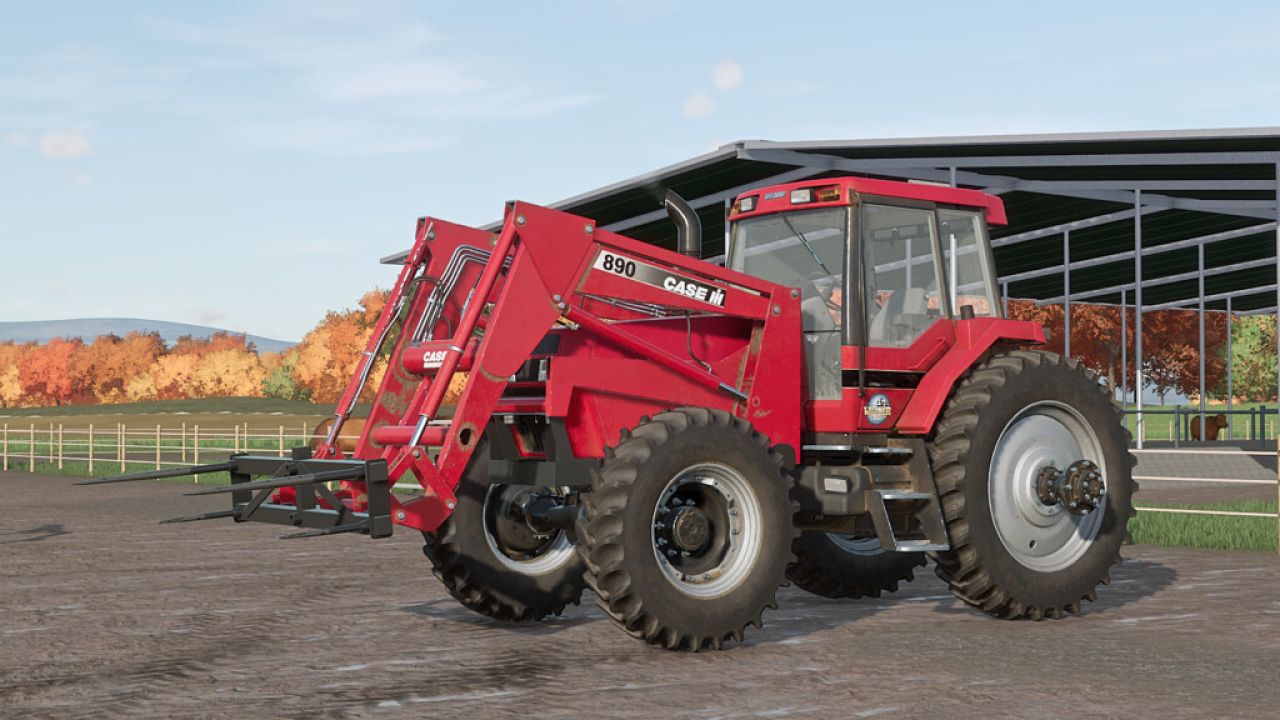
pixel 797 249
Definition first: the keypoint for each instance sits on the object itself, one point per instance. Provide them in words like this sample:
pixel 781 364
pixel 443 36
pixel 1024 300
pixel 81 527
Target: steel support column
pixel 1230 362
pixel 1137 308
pixel 1204 435
pixel 1066 293
pixel 1124 348
pixel 1277 170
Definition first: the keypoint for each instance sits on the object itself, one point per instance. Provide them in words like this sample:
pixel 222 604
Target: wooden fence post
pixel 157 447
pixel 121 445
pixel 91 448
pixel 59 446
pixel 50 443
pixel 31 449
pixel 195 444
pixel 235 438
pixel 280 440
pixel 6 447
pixel 184 442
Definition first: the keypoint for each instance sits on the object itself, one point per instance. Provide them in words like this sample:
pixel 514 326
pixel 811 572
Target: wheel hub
pixel 1030 497
pixel 690 528
pixel 706 529
pixel 1079 489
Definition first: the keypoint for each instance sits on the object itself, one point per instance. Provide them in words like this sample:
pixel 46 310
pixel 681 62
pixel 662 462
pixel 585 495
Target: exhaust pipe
pixel 688 226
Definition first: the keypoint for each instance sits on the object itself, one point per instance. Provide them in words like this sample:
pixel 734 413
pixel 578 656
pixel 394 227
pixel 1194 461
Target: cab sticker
pixel 877 409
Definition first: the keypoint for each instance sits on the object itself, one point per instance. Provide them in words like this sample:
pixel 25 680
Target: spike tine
pixel 353 473
pixel 161 474
pixel 361 526
pixel 201 516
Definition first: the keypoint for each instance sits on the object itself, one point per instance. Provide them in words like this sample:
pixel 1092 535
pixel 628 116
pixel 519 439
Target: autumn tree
pixel 328 355
pixel 46 372
pixel 11 358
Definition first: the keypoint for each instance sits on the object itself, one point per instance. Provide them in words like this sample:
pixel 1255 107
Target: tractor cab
pixel 882 266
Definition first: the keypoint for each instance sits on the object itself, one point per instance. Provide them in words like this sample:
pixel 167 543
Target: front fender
pixel 974 338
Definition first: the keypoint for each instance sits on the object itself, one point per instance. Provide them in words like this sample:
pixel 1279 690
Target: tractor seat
pixel 815 315
pixel 901 318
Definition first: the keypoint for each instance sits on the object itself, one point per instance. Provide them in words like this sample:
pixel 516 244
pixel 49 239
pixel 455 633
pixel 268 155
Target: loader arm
pixel 548 268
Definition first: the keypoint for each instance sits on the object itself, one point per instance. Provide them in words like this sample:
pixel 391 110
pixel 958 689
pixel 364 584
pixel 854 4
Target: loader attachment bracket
pixel 315 506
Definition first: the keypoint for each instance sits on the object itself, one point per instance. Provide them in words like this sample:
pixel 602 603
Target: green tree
pixel 279 382
pixel 1253 351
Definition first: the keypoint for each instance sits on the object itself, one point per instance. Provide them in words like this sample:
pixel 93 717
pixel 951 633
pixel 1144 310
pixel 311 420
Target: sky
pixel 245 164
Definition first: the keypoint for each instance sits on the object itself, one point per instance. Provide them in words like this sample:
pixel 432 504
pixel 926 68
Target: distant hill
pixel 43 331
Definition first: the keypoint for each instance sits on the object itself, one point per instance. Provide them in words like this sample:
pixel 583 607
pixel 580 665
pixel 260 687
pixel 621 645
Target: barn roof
pixel 1201 204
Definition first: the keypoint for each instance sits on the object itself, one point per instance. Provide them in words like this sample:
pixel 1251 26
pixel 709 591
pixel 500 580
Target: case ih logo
pixel 659 278
pixel 434 359
pixel 877 409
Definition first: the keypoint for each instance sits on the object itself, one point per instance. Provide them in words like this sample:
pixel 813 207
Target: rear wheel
pixel 688 528
pixel 1033 469
pixel 835 565
pixel 492 562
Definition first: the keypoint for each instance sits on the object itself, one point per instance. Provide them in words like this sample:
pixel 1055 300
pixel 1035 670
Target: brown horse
pixel 352 429
pixel 1214 423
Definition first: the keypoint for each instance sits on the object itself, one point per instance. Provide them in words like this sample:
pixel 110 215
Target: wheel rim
pixel 548 555
pixel 1042 537
pixel 864 546
pixel 732 530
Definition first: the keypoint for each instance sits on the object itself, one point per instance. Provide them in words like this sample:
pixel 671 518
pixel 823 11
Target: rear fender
pixel 974 338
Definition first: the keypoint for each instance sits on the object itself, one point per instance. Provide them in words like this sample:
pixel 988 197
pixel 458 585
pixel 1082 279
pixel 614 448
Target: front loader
pixel 837 402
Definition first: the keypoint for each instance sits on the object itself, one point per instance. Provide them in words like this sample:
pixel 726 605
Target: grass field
pixel 1211 532
pixel 1160 419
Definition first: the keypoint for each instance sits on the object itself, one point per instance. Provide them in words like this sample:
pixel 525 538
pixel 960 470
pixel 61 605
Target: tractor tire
pixel 515 580
pixel 1014 555
pixel 832 565
pixel 687 530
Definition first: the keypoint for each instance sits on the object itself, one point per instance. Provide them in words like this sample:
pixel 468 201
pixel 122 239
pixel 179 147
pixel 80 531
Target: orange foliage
pixel 138 367
pixel 329 354
pixel 1170 343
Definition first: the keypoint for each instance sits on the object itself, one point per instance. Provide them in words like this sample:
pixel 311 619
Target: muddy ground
pixel 104 613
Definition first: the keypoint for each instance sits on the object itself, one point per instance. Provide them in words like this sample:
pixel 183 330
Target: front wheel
pixel 1034 473
pixel 493 562
pixel 688 528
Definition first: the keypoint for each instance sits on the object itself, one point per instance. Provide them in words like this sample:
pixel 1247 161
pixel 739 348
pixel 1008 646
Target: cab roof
pixel 777 198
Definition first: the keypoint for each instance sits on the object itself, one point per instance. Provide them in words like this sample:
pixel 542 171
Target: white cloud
pixel 699 104
pixel 401 80
pixel 17 139
pixel 64 144
pixel 340 78
pixel 727 75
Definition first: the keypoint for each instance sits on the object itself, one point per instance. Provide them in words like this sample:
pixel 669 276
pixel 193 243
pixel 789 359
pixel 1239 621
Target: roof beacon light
pixel 830 193
pixel 747 204
pixel 801 196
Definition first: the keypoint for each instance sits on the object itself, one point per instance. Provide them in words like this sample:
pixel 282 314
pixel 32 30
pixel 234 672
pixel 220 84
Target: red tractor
pixel 837 402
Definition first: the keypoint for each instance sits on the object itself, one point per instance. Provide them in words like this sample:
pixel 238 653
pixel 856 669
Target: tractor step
pixel 922 505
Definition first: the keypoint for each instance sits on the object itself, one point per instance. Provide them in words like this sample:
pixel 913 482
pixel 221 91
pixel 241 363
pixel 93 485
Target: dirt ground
pixel 104 613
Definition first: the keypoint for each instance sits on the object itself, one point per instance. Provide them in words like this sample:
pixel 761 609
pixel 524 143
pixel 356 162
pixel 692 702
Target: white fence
pixel 123 447
pixel 1221 457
